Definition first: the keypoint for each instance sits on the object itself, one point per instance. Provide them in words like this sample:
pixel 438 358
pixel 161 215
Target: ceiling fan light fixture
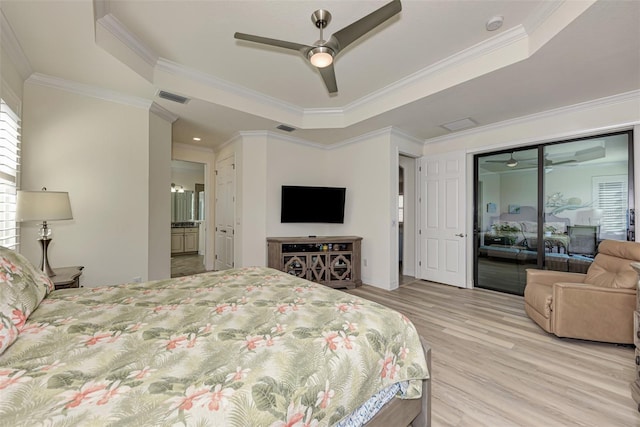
pixel 512 163
pixel 321 56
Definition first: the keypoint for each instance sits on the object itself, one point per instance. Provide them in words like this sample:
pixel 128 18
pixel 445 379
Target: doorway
pixel 188 211
pixel 406 218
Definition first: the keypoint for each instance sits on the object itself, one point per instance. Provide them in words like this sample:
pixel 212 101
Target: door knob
pixel 460 235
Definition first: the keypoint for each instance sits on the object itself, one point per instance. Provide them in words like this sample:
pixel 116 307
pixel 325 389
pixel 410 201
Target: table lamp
pixel 43 206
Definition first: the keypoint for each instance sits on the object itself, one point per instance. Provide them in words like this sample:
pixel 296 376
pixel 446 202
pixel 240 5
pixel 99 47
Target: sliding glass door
pixel 548 206
pixel 507 212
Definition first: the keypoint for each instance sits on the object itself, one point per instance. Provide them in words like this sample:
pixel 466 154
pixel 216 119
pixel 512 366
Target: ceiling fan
pixel 512 162
pixel 322 53
pixel 549 162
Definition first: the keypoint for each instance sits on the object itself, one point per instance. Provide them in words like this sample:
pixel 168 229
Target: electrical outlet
pixel 137 279
pixel 364 262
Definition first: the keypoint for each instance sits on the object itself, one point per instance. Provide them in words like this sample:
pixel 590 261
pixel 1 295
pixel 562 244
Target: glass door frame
pixel 540 147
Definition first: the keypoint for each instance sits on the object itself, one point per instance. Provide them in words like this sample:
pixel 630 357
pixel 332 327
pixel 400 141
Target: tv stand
pixel 333 261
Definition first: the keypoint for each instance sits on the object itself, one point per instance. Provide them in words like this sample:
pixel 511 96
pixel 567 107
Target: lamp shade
pixel 43 206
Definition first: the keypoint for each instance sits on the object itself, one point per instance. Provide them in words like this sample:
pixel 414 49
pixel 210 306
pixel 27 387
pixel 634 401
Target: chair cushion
pixel 612 266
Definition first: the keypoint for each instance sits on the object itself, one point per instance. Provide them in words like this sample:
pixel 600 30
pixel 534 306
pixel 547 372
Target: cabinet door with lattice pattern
pixel 296 265
pixel 340 267
pixel 318 268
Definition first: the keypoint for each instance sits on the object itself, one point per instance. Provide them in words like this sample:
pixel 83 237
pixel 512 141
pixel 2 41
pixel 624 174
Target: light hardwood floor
pixel 494 367
pixel 184 265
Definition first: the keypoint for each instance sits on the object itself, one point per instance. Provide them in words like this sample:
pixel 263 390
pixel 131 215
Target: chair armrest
pixel 595 291
pixel 549 277
pixel 593 312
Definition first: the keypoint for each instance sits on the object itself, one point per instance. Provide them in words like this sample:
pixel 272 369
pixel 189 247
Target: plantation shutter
pixel 9 174
pixel 611 195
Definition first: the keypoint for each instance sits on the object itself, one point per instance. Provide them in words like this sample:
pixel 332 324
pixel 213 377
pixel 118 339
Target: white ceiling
pixel 431 64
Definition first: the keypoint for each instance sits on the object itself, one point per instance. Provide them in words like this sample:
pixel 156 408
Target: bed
pixel 521 229
pixel 241 347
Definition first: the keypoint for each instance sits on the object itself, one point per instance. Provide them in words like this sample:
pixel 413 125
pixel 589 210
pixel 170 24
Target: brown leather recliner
pixel 596 306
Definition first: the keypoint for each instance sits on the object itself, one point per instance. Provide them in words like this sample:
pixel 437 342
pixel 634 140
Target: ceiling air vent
pixel 285 128
pixel 173 97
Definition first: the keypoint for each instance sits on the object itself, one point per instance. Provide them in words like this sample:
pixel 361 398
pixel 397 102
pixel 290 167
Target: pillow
pixel 22 286
pixel 8 332
pixel 530 226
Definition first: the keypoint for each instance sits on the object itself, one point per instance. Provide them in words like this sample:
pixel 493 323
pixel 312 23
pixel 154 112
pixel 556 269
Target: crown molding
pixel 229 141
pixel 163 113
pixel 287 138
pixel 122 33
pixel 575 108
pixel 165 65
pixel 401 133
pixel 360 138
pixel 88 90
pixel 101 8
pixel 309 115
pixel 500 41
pixel 542 13
pixel 374 103
pixel 386 131
pixel 12 46
pixel 299 141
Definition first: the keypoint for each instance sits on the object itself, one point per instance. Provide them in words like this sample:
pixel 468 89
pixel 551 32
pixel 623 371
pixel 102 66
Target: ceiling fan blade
pixel 344 37
pixel 552 163
pixel 329 77
pixel 272 42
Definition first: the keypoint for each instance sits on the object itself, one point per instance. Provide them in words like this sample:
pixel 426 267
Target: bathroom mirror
pixel 182 206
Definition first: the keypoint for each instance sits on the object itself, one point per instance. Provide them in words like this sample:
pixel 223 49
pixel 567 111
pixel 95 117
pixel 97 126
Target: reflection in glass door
pixel 507 215
pixel 549 206
pixel 586 199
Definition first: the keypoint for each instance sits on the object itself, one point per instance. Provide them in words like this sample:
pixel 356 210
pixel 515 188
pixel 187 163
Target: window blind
pixel 9 174
pixel 612 199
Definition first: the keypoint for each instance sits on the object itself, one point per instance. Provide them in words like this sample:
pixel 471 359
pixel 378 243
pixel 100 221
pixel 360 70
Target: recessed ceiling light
pixel 195 138
pixel 495 23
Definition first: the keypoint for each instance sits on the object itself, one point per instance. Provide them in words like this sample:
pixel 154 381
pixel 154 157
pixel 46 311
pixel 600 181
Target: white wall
pixel 367 168
pixel 98 151
pixel 290 163
pixel 159 198
pixel 251 200
pixel 364 167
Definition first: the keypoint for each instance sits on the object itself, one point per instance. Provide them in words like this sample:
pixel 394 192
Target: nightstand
pixel 67 277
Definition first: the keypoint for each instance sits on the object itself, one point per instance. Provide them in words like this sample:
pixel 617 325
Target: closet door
pixel 225 213
pixel 506 220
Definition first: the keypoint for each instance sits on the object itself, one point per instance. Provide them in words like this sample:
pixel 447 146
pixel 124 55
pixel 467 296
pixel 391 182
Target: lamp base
pixel 44 262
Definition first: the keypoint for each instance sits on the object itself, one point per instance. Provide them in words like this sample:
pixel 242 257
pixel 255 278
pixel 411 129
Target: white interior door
pixel 442 219
pixel 225 213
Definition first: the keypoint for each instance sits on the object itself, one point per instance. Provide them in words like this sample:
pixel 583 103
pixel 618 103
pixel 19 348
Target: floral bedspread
pixel 244 347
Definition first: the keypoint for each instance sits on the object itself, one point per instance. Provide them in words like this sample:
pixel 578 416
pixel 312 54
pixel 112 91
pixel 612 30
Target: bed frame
pixel 405 412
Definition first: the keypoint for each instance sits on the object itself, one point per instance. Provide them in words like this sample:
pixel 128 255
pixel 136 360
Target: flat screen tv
pixel 312 204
